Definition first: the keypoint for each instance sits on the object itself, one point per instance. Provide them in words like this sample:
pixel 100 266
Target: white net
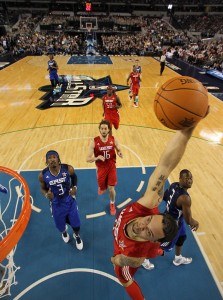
pixel 12 198
pixel 8 270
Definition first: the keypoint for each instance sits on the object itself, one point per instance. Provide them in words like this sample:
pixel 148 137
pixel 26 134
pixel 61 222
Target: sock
pixel 177 256
pixel 137 100
pixel 134 291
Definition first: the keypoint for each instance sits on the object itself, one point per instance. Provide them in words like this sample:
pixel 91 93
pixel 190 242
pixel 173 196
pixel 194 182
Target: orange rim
pixel 12 238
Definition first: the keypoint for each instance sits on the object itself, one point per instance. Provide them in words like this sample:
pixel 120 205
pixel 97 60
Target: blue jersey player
pixel 58 184
pixel 54 78
pixel 178 205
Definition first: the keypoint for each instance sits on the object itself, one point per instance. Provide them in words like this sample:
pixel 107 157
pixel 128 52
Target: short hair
pixel 105 122
pixel 170 228
pixel 184 171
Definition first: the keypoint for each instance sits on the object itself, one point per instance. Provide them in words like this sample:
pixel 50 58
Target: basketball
pixel 181 102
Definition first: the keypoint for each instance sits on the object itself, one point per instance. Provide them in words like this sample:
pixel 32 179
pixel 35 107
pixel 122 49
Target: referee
pixel 162 62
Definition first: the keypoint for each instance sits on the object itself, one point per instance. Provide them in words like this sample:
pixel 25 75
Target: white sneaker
pixel 147 265
pixel 66 238
pixel 182 261
pixel 135 105
pixel 79 242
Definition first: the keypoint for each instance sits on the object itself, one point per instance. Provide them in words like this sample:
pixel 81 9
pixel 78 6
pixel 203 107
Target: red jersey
pixel 105 149
pixel 135 78
pixel 126 246
pixel 110 105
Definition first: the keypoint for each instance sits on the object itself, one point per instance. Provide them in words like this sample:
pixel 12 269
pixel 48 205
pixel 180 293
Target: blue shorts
pixel 54 75
pixel 66 210
pixel 181 232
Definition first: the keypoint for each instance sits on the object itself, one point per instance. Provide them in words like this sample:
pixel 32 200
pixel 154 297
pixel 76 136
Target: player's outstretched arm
pixel 169 159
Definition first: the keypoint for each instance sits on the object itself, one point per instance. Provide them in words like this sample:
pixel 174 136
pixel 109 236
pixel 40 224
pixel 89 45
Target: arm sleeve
pixel 73 179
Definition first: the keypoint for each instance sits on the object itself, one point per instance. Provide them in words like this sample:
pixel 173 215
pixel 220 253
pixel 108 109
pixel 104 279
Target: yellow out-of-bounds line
pixel 100 214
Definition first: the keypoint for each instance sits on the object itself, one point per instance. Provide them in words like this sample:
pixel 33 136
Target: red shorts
pixel 114 120
pixel 106 176
pixel 125 273
pixel 135 90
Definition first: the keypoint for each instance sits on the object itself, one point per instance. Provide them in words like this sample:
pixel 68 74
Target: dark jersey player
pixel 178 205
pixel 58 184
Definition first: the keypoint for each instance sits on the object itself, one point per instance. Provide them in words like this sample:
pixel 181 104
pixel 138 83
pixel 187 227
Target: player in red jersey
pixel 102 151
pixel 139 228
pixel 111 104
pixel 135 79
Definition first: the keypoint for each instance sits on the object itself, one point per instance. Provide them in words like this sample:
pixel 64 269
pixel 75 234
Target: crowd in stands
pixel 154 35
pixel 208 25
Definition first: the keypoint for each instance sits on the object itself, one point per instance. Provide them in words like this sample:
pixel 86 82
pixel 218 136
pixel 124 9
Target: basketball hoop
pixel 13 224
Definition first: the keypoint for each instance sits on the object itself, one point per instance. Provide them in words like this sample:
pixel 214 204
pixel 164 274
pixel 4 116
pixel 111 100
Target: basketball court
pixel 50 267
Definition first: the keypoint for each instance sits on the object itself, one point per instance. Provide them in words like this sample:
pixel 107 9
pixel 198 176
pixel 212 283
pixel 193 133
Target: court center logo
pixel 76 91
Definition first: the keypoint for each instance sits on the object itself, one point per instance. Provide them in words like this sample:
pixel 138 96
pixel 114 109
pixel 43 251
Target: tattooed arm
pixel 169 159
pixel 122 260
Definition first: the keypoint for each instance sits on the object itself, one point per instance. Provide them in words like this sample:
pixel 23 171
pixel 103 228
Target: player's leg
pixel 74 220
pixel 58 85
pixel 179 259
pixel 130 93
pixel 112 181
pixel 101 174
pixel 125 276
pixel 115 122
pixel 135 95
pixel 59 215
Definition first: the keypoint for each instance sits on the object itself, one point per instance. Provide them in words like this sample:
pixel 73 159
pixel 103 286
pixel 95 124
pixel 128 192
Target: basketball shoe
pixel 65 237
pixel 135 104
pixel 147 265
pixel 79 242
pixel 3 189
pixel 181 260
pixel 112 209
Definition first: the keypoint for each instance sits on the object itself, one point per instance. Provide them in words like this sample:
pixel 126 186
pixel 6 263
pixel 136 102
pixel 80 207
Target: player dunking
pixel 102 151
pixel 135 78
pixel 139 228
pixel 111 104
